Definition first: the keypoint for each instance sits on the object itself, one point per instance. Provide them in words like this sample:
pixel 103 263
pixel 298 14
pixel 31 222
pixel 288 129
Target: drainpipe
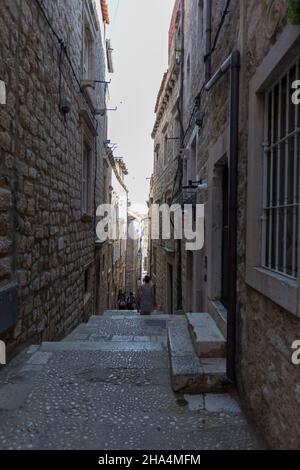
pixel 181 108
pixel 208 33
pixel 232 63
pixel 182 54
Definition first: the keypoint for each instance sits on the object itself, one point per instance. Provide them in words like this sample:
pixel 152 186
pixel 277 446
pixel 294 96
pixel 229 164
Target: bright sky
pixel 139 35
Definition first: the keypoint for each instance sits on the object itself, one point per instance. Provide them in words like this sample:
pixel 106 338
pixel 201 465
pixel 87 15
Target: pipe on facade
pixel 181 106
pixel 208 35
pixel 233 206
pixel 233 63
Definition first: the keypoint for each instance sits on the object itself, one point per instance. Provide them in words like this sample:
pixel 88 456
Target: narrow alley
pixel 149 228
pixel 107 386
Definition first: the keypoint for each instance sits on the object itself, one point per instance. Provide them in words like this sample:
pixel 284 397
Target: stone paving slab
pixel 80 395
pixel 12 396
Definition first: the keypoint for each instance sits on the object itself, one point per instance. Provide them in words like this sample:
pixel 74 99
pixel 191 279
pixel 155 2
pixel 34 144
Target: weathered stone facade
pixel 167 136
pixel 47 240
pixel 133 264
pixel 112 255
pixel 268 382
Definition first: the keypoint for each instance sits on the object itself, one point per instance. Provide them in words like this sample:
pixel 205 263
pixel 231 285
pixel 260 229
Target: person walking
pixel 146 297
pixel 131 301
pixel 121 301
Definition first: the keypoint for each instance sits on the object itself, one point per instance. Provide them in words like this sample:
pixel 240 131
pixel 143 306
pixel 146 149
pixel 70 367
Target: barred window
pixel 281 176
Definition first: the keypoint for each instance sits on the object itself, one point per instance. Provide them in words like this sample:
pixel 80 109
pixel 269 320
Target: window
pixel 154 265
pixel 88 55
pixel 86 178
pixel 166 149
pixel 86 281
pixel 281 176
pixel 225 238
pixel 156 155
pixel 88 140
pixel 178 46
pixel 272 254
pixel 177 139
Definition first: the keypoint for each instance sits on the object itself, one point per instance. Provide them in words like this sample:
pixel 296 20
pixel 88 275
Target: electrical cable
pixel 225 12
pixel 60 75
pixel 199 96
pixel 64 50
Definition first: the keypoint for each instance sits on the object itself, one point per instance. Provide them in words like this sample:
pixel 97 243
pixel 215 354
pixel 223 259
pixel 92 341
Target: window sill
pixel 278 288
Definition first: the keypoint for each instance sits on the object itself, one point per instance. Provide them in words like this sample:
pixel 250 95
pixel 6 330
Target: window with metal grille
pixel 281 176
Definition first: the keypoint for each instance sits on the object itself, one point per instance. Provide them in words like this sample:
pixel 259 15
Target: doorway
pixel 170 287
pixel 225 239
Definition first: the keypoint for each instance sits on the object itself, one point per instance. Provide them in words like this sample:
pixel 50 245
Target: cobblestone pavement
pixel 107 386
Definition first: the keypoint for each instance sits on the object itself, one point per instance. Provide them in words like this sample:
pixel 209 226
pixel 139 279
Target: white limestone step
pixel 219 314
pixel 207 338
pixel 189 373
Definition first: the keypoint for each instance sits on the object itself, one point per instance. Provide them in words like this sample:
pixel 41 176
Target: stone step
pixel 81 332
pixel 116 344
pixel 208 340
pixel 189 373
pixel 219 314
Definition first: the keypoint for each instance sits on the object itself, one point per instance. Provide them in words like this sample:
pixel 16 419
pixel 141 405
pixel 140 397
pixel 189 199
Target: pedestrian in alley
pixel 131 301
pixel 146 297
pixel 121 301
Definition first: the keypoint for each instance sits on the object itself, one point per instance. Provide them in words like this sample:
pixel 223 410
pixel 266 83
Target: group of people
pixel 126 302
pixel 144 302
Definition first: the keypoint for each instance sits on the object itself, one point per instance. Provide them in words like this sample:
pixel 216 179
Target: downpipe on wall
pixel 208 35
pixel 232 63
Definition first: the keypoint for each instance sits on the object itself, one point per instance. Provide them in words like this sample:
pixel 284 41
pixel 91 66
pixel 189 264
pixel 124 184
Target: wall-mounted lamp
pixel 200 185
pixel 101 112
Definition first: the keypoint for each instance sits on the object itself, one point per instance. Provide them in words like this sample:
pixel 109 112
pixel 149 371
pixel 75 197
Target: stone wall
pixel 268 382
pixel 46 245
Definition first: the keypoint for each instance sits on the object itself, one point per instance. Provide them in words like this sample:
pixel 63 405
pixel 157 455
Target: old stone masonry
pixel 107 386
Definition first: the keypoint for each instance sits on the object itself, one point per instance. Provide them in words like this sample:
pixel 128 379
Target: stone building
pixel 112 251
pixel 52 131
pixel 167 161
pixel 240 148
pixel 133 263
pixel 137 250
pixel 119 245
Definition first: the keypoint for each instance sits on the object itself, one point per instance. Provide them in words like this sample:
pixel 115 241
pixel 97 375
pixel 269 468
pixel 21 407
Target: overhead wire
pixel 63 49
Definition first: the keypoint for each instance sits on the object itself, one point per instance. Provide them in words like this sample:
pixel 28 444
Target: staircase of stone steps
pixel 197 352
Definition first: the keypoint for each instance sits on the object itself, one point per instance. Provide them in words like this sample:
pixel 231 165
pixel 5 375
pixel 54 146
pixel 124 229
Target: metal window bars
pixel 281 146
